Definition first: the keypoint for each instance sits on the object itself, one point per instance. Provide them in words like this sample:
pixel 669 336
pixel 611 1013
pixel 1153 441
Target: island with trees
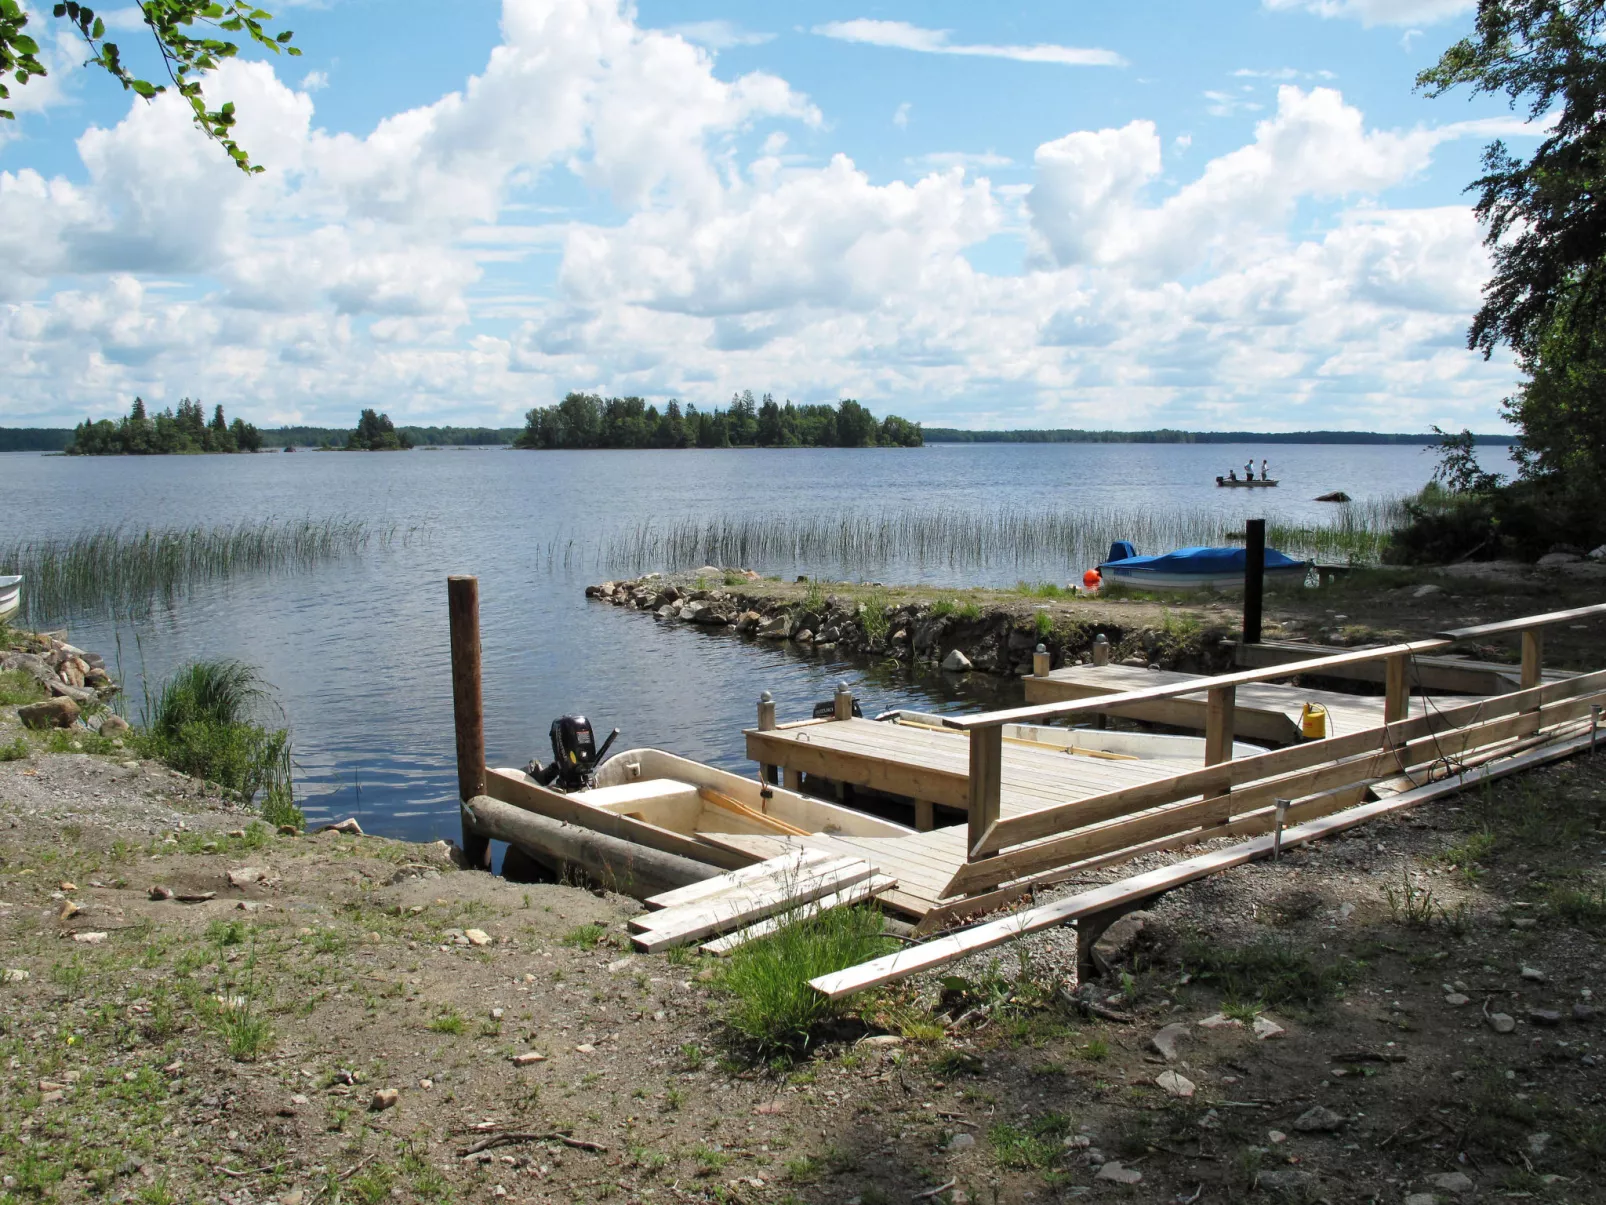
pixel 585 420
pixel 166 433
pixel 376 433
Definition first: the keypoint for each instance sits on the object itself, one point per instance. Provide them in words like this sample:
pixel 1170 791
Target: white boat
pixel 10 594
pixel 1197 569
pixel 1238 483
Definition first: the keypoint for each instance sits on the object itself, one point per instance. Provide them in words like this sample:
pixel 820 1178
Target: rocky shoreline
pixel 933 631
pixel 77 682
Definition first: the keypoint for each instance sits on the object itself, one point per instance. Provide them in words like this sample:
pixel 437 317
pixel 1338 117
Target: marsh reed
pixel 1013 539
pixel 122 571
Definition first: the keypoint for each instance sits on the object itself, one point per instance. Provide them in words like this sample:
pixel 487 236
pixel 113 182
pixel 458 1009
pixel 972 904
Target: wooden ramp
pixel 1265 711
pixel 732 903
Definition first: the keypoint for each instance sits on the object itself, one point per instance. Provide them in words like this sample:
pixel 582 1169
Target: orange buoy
pixel 1092 580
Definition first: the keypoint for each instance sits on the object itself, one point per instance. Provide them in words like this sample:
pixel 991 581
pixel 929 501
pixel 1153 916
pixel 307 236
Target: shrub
pixel 775 1009
pixel 201 722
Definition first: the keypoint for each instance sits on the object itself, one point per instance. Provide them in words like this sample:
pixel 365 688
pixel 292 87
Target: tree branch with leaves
pixel 192 36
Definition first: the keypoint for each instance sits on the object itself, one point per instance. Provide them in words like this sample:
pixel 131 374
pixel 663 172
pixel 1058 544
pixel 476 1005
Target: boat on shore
pixel 10 594
pixel 1235 483
pixel 1196 569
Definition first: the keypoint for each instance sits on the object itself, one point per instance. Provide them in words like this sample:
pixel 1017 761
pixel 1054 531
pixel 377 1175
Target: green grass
pixel 18 687
pixel 873 614
pixel 17 750
pixel 1271 971
pixel 449 1022
pixel 584 937
pixel 1038 1143
pixel 1581 906
pixel 120 571
pixel 773 1008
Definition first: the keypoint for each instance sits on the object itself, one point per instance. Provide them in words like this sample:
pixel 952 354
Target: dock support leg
pixel 1220 713
pixel 1397 688
pixel 925 818
pixel 792 779
pixel 468 707
pixel 986 782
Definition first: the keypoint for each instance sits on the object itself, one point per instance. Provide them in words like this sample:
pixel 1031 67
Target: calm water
pixel 358 648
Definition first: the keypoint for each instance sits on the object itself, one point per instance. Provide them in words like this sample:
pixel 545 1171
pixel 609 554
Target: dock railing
pixel 1320 776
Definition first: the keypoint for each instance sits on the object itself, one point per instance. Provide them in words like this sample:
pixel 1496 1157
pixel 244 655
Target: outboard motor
pixel 575 756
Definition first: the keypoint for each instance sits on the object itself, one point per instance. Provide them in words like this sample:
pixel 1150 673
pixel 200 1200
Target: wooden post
pixel 1220 713
pixel 1254 577
pixel 925 817
pixel 1397 688
pixel 468 707
pixel 844 702
pixel 1533 656
pixel 766 723
pixel 1040 662
pixel 792 779
pixel 986 782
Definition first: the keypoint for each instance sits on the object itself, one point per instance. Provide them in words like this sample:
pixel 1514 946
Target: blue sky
pixel 1238 215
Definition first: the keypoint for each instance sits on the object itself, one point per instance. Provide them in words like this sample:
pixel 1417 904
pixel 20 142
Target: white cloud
pixel 314 81
pixel 1381 12
pixel 942 160
pixel 901 35
pixel 719 35
pixel 1229 104
pixel 364 268
pixel 900 118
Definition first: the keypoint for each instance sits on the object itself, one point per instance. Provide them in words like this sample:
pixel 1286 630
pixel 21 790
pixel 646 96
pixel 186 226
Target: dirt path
pixel 242 1048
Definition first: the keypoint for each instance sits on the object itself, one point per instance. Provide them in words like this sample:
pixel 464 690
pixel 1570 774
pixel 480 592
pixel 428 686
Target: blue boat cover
pixel 1203 561
pixel 1122 550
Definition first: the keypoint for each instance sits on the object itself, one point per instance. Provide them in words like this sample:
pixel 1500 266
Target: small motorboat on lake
pixel 10 594
pixel 1195 568
pixel 1238 483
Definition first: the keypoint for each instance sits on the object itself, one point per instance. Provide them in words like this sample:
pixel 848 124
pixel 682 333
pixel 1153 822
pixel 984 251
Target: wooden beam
pixel 1533 656
pixel 1397 688
pixel 986 782
pixel 867 889
pixel 944 950
pixel 1220 711
pixel 1549 619
pixel 468 708
pixel 925 817
pixel 681 926
pixel 1102 703
pixel 1214 780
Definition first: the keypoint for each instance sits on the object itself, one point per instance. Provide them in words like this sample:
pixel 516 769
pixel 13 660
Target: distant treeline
pixel 585 420
pixel 418 437
pixel 164 433
pixel 953 435
pixel 35 439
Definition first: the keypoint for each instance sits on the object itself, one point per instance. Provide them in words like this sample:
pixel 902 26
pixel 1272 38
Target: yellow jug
pixel 1313 722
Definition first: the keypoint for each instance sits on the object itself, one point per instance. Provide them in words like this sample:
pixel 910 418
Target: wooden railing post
pixel 766 723
pixel 986 781
pixel 1397 688
pixel 1041 661
pixel 843 701
pixel 1533 656
pixel 1220 714
pixel 468 707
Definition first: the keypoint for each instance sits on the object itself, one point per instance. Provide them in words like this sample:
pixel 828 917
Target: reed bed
pixel 1013 539
pixel 119 572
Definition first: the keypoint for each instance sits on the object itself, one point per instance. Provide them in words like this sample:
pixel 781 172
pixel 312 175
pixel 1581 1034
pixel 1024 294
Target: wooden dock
pixel 1265 711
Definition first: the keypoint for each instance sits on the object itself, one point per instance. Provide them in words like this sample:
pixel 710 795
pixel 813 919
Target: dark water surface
pixel 358 647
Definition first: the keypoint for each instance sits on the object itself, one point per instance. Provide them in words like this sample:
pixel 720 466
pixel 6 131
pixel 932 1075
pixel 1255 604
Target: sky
pixel 1161 213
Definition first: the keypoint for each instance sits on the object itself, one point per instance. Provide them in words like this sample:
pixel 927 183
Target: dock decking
pixel 1264 711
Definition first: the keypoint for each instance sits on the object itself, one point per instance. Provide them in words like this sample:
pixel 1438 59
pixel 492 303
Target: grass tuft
pixel 18 687
pixel 775 1010
pixel 1270 971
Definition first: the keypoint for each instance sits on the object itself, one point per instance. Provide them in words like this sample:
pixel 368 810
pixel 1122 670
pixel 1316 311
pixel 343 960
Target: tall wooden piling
pixel 1254 577
pixel 468 707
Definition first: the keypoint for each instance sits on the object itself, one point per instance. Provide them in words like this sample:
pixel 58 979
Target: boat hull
pixel 1227 484
pixel 10 594
pixel 1147 579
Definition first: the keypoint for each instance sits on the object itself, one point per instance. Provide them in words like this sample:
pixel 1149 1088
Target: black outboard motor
pixel 575 756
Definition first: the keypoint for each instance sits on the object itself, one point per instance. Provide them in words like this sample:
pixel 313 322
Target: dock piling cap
pixel 766 697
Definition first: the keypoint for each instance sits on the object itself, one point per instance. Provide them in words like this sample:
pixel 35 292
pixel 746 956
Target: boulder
pixel 803 636
pixel 776 627
pixel 830 634
pixel 1165 1041
pixel 748 622
pixel 1427 590
pixel 1318 1120
pixel 52 713
pixel 670 593
pixel 693 612
pixel 1598 554
pixel 956 662
pixel 1335 496
pixel 1552 559
pixel 710 571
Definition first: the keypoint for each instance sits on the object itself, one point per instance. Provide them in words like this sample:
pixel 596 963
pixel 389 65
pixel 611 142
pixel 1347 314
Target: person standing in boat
pixel 1249 469
pixel 1264 475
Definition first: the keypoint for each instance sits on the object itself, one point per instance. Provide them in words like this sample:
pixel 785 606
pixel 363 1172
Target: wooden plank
pixel 1456 675
pixel 1094 839
pixel 865 889
pixel 1533 656
pixel 1397 688
pixel 1219 714
pixel 738 910
pixel 1029 715
pixel 722 883
pixel 1213 780
pixel 1525 622
pixel 778 879
pixel 944 950
pixel 510 787
pixel 986 781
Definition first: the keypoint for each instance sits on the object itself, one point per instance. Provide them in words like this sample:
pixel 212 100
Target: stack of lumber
pixel 753 901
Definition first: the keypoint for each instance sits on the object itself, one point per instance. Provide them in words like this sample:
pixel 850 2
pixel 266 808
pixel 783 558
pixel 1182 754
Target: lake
pixel 357 648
